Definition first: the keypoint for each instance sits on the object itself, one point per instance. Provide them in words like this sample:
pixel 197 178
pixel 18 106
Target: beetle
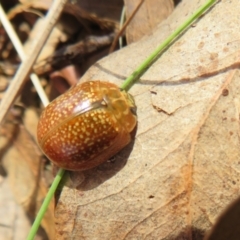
pixel 86 125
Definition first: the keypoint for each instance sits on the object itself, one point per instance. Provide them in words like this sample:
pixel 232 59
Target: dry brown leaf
pixel 183 167
pixel 150 14
pixel 23 162
pixel 14 223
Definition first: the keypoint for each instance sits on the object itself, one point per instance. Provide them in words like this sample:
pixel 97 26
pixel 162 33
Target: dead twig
pixel 120 33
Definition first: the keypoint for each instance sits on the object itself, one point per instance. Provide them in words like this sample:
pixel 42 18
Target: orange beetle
pixel 87 125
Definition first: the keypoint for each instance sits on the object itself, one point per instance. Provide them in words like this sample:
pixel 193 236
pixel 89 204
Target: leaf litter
pixel 183 166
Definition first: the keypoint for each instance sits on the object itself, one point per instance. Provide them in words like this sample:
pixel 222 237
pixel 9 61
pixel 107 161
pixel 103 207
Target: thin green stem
pixel 45 204
pixel 159 50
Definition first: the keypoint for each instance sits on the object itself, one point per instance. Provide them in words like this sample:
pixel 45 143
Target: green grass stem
pixel 45 204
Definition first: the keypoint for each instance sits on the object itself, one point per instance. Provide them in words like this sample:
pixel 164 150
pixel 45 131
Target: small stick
pixel 45 204
pixel 120 33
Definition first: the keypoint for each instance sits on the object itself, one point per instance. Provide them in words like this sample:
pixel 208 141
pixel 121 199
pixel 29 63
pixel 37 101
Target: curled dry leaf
pixel 183 167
